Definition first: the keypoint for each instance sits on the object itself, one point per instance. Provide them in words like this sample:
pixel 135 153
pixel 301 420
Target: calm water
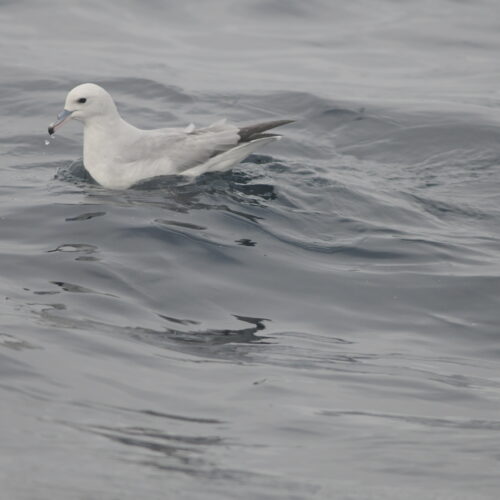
pixel 323 322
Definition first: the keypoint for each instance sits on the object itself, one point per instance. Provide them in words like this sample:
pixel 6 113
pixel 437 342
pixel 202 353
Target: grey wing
pixel 176 150
pixel 184 148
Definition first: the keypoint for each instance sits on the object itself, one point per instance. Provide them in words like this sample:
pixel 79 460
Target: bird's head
pixel 83 103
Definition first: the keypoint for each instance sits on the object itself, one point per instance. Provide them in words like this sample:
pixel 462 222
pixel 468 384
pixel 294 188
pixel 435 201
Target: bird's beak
pixel 61 118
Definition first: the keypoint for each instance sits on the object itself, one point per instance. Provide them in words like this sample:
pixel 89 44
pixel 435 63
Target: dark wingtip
pixel 286 122
pixel 248 133
pixel 51 130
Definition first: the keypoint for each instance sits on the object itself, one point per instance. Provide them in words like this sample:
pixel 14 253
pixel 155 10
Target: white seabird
pixel 117 154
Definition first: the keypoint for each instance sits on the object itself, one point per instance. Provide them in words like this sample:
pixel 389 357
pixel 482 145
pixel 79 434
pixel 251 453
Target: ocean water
pixel 320 323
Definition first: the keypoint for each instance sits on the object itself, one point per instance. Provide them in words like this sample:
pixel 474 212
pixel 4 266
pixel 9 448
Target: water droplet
pixel 47 142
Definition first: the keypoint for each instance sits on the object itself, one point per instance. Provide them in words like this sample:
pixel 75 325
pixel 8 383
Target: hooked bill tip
pixel 51 130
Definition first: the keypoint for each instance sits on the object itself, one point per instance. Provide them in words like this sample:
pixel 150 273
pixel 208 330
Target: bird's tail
pixel 224 161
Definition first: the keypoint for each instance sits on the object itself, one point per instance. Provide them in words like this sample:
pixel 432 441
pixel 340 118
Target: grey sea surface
pixel 320 323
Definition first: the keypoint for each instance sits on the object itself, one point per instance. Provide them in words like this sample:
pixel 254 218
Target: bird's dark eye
pixel 82 100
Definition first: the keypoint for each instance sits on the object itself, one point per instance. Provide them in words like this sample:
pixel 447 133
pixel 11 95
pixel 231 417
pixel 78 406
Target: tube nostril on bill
pixel 61 118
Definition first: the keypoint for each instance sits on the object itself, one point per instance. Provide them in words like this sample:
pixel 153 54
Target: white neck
pixel 104 137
